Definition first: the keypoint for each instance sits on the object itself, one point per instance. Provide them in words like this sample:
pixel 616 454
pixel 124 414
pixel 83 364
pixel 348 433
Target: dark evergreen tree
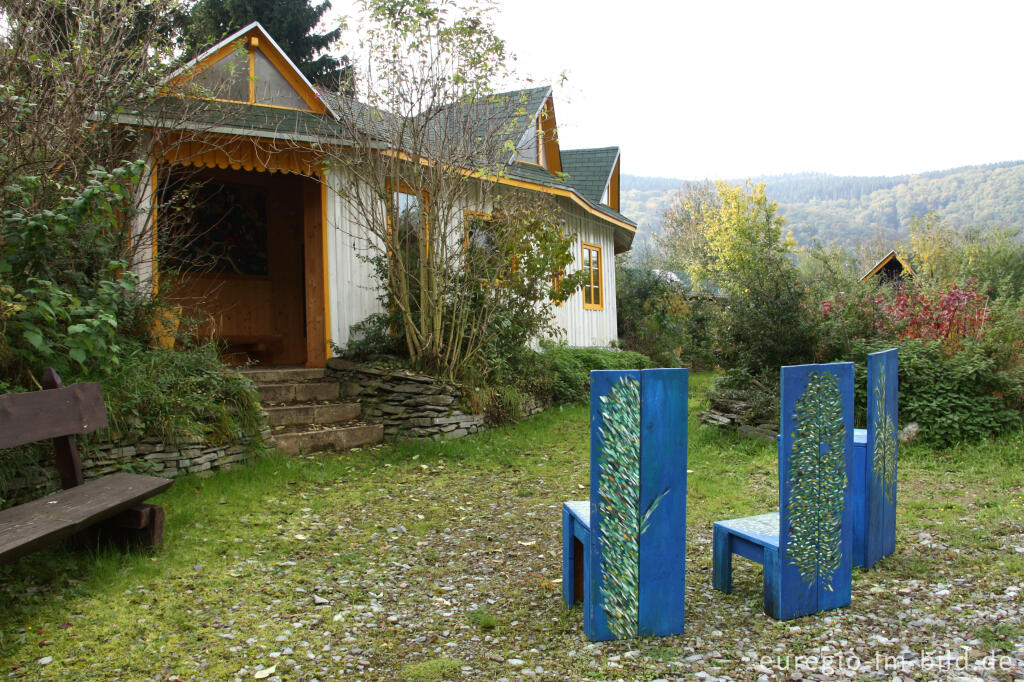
pixel 291 23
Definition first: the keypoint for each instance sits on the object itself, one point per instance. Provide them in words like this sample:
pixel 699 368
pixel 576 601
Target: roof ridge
pixel 592 149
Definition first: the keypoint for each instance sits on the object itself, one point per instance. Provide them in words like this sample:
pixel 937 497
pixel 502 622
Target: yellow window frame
pixel 594 275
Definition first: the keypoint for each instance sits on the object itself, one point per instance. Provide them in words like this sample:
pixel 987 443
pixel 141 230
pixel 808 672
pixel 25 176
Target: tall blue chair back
pixel 629 554
pixel 877 450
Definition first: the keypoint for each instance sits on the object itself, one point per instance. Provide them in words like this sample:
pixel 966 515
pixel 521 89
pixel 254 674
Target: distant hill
pixel 849 210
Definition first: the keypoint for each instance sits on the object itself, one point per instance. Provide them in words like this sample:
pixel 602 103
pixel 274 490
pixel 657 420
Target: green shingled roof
pixel 528 172
pixel 240 118
pixel 589 169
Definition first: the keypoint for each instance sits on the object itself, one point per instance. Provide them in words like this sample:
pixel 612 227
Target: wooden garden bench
pixel 806 548
pixel 875 452
pixel 624 550
pixel 62 413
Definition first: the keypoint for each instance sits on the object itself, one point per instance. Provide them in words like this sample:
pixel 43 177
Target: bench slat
pixel 40 415
pixel 30 526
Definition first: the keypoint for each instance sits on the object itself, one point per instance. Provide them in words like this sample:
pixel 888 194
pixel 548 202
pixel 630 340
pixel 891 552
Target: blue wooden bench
pixel 624 550
pixel 806 548
pixel 875 463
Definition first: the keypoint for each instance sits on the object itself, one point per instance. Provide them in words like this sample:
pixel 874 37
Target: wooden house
pixel 285 272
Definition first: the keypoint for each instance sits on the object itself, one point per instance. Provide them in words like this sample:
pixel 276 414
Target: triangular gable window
pixel 227 79
pixel 271 87
pixel 249 76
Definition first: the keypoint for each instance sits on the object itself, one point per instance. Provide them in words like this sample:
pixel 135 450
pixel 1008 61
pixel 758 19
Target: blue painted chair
pixel 806 547
pixel 875 461
pixel 624 550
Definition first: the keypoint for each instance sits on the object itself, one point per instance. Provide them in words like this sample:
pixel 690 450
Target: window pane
pixel 272 87
pixel 406 223
pixel 228 78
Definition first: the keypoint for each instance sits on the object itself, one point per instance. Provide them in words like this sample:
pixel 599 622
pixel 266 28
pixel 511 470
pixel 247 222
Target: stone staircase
pixel 305 412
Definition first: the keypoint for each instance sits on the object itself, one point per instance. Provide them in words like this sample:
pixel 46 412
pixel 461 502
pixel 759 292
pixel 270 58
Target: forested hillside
pixel 849 210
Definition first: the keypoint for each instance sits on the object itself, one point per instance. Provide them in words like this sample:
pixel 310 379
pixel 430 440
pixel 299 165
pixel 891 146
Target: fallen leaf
pixel 265 673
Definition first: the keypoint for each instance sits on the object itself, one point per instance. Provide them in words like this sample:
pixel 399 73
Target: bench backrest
pixel 57 412
pixel 638 425
pixel 881 459
pixel 815 467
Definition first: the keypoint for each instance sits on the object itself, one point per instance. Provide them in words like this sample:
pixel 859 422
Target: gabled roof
pixel 509 115
pixel 590 169
pixel 267 45
pixel 895 260
pixel 378 124
pixel 518 115
pixel 517 110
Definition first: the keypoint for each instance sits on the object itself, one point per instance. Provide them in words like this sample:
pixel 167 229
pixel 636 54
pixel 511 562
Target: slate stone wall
pixel 152 456
pixel 406 403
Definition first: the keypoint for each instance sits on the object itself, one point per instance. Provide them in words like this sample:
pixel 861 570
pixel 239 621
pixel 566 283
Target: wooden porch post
pixel 314 198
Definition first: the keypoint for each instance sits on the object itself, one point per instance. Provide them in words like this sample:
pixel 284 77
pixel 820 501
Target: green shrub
pixel 177 394
pixel 559 374
pixel 165 394
pixel 71 299
pixel 955 397
pixel 505 404
pixel 760 392
pixel 373 336
pixel 656 318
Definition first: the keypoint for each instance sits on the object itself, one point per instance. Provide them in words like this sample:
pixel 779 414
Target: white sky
pixel 740 88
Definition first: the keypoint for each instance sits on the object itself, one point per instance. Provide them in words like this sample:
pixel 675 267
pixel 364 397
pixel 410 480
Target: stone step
pixel 280 374
pixel 331 413
pixel 339 438
pixel 298 392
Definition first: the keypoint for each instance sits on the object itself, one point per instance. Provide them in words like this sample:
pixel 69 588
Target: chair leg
pixel 568 559
pixel 772 584
pixel 721 574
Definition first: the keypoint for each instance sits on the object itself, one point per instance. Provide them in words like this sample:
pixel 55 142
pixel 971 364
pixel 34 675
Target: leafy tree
pixel 682 239
pixel 291 23
pixel 731 245
pixel 432 138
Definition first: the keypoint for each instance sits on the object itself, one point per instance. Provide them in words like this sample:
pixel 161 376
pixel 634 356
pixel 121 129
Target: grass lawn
pixel 430 561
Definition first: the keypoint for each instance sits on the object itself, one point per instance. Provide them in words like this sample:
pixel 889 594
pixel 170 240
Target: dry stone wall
pixel 194 456
pixel 406 403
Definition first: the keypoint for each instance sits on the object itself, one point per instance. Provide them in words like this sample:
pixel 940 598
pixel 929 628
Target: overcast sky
pixel 736 89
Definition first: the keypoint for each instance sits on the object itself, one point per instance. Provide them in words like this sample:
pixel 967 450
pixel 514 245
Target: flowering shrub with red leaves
pixel 961 355
pixel 950 315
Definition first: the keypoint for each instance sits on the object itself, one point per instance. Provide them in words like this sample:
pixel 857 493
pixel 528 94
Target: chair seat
pixel 762 529
pixel 580 509
pixel 860 437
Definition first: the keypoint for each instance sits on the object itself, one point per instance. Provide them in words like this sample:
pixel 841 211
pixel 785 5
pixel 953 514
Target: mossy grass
pixel 405 542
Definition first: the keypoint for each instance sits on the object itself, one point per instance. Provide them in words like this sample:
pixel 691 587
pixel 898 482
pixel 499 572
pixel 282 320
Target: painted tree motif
pixel 817 480
pixel 622 523
pixel 885 446
pixel 619 488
